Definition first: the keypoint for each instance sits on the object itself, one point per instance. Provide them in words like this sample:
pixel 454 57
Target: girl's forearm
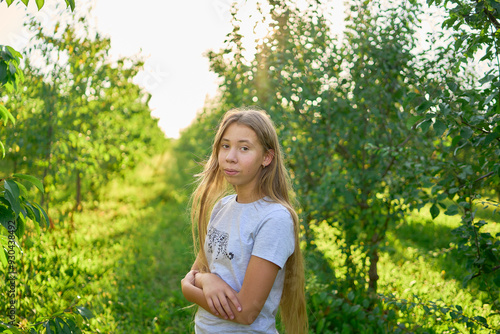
pixel 194 295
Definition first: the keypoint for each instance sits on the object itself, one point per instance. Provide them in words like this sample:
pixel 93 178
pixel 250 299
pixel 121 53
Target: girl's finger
pixel 232 297
pixel 211 306
pixel 220 309
pixel 227 308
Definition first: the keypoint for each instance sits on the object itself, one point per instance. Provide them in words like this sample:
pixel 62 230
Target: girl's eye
pixel 244 148
pixel 224 146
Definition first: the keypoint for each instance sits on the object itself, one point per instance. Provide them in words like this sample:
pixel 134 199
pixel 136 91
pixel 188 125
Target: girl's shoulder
pixel 221 203
pixel 271 205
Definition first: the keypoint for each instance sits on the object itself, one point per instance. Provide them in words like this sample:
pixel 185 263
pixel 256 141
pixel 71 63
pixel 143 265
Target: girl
pixel 250 262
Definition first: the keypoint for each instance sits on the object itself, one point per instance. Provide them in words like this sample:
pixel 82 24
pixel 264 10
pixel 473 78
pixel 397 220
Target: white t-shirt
pixel 237 231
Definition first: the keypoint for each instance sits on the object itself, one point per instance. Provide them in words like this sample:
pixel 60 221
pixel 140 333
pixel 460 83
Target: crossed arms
pixel 217 297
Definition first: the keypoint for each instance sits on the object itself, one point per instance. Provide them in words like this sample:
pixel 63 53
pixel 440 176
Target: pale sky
pixel 172 34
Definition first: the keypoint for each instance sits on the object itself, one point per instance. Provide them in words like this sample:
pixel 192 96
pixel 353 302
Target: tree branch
pixel 342 151
pixel 480 273
pixel 484 176
pixel 492 18
pixel 394 158
pixel 475 128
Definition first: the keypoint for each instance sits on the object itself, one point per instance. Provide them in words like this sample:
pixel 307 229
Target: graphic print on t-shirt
pixel 217 243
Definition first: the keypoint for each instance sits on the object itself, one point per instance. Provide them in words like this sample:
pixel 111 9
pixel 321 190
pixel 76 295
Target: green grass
pixel 124 257
pixel 419 258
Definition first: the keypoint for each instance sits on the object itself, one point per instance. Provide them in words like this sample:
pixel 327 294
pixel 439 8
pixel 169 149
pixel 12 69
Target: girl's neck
pixel 247 196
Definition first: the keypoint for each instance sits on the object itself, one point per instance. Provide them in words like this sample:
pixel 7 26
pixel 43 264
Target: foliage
pixel 340 113
pixel 115 258
pixel 465 118
pixel 40 3
pixel 93 122
pixel 10 73
pixel 374 129
pixel 68 132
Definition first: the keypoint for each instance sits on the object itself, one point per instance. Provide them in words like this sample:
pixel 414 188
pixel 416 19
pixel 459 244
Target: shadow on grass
pixel 435 243
pixel 158 255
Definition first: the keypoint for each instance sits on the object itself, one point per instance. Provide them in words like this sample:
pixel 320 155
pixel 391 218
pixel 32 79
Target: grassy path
pixel 148 233
pixel 122 258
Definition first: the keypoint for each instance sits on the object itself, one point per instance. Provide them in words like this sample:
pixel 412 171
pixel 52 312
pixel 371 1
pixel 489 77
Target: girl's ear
pixel 268 158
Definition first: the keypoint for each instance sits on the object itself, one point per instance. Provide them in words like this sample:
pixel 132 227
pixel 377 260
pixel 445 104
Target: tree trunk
pixel 78 205
pixel 48 152
pixel 372 273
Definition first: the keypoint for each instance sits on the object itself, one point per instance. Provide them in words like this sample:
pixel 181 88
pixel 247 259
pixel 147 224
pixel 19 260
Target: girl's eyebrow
pixel 239 141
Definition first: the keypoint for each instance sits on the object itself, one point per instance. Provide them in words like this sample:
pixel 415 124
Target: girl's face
pixel 241 157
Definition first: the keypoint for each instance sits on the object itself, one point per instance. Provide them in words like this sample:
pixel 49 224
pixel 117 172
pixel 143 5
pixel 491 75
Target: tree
pixel 93 122
pixel 341 117
pixel 373 128
pixel 465 117
pixel 79 116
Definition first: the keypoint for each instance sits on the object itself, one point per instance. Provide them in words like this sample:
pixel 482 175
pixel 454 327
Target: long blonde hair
pixel 274 182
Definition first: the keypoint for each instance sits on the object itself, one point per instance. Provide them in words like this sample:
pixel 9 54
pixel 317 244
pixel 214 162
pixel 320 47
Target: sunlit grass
pixel 123 256
pixel 418 258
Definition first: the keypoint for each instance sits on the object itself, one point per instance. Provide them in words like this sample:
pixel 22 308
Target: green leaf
pixel 425 125
pixel 6 115
pixel 34 211
pixel 20 226
pixel 44 215
pixel 12 68
pixel 464 284
pixel 6 216
pixel 466 132
pixel 12 187
pixel 491 97
pixel 351 296
pixel 12 196
pixel 71 4
pixel 34 215
pixel 481 320
pixel 47 326
pixel 25 2
pixel 439 127
pixel 12 330
pixel 3 72
pixel 31 179
pixel 490 137
pixel 452 85
pixel 496 280
pixel 85 312
pixel 63 326
pixel 424 106
pixel 412 121
pixel 13 52
pixel 487 78
pixel 39 4
pixel 434 211
pixel 3 149
pixel 452 210
pixel 22 189
pixel 3 258
pixel 9 2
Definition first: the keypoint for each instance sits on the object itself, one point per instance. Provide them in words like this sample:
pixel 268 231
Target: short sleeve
pixel 218 206
pixel 275 241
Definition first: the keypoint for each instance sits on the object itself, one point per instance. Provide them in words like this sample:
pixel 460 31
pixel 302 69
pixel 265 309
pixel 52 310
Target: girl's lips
pixel 230 172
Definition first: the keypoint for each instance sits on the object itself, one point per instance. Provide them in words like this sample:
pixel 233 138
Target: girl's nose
pixel 231 156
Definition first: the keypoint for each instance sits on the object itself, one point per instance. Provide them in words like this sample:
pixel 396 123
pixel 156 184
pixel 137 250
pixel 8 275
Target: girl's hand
pixel 190 277
pixel 217 292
